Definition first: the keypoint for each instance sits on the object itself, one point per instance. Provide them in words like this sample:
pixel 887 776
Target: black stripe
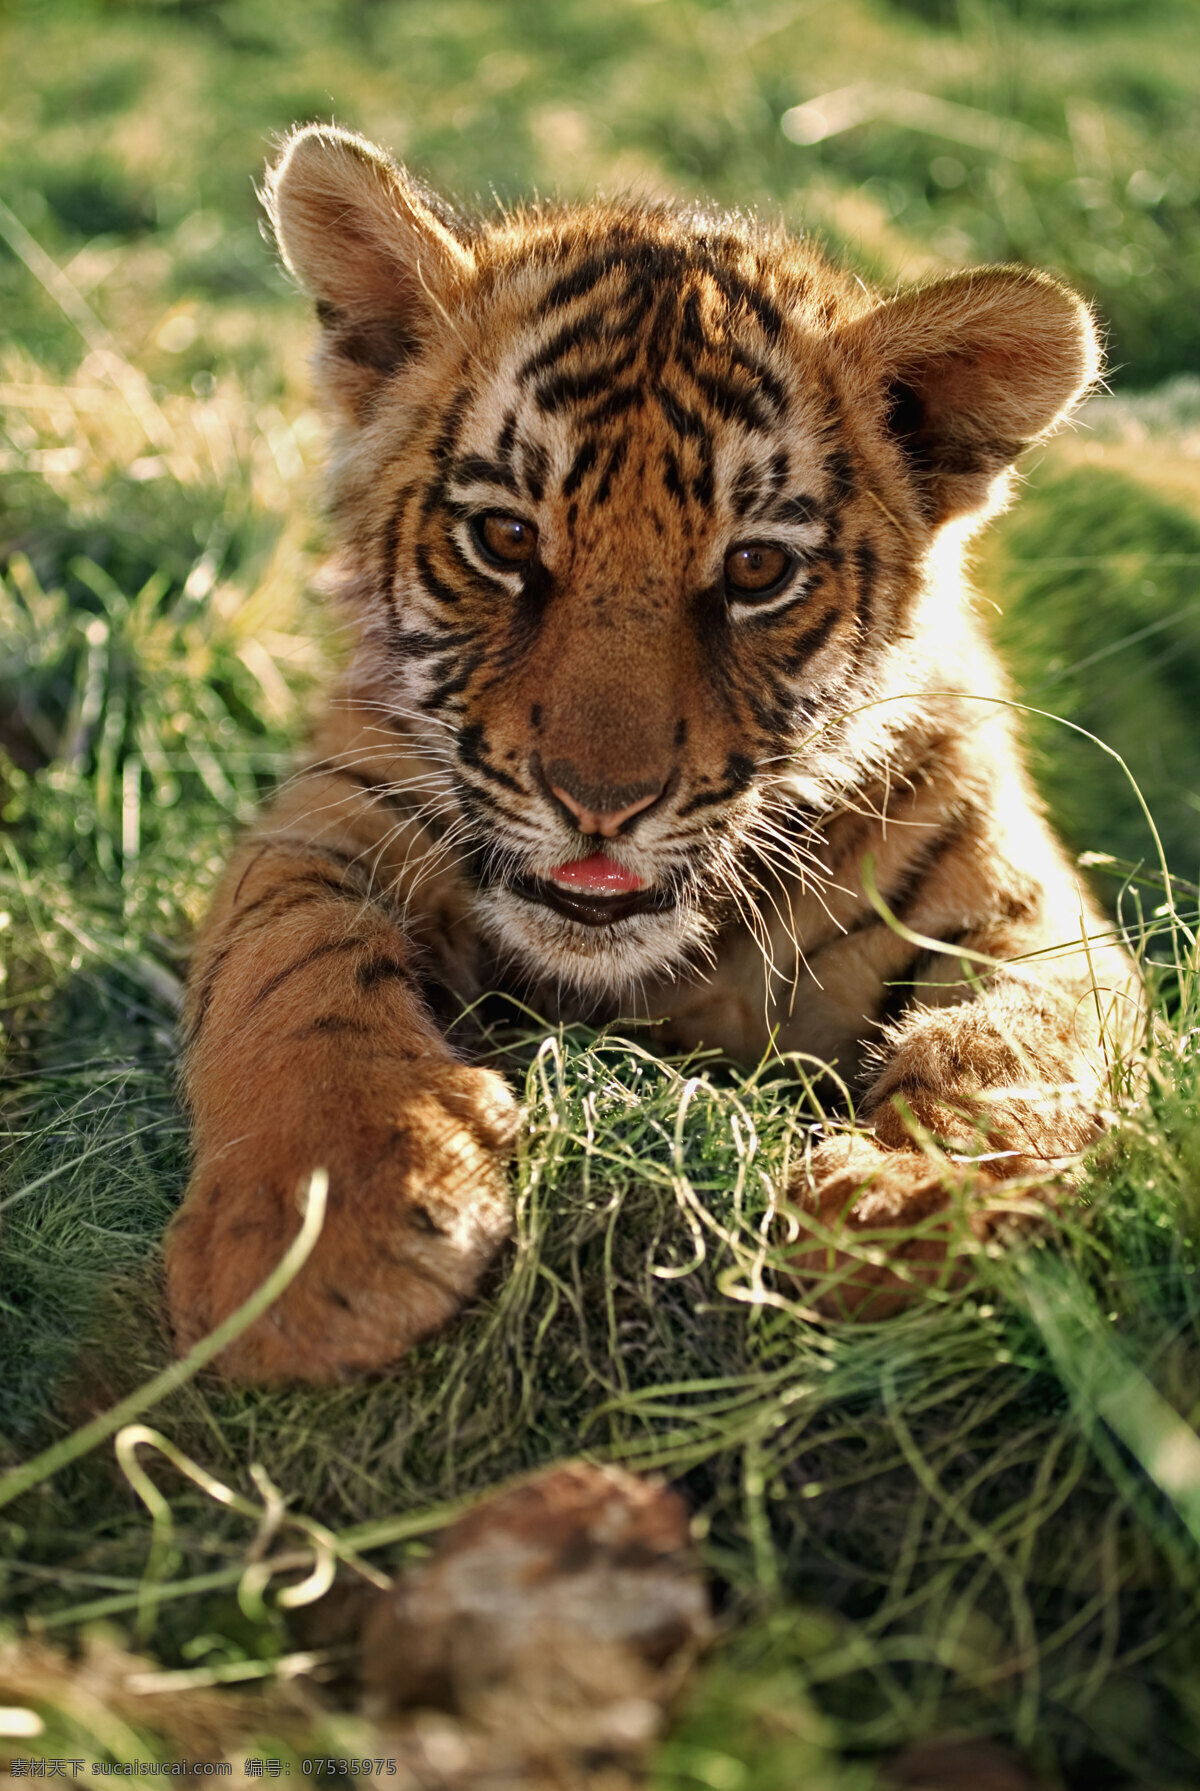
pixel 683 421
pixel 378 970
pixel 390 540
pixel 616 461
pixel 739 292
pixel 472 799
pixel 735 403
pixel 753 400
pixel 472 744
pixel 582 464
pixel 739 774
pixel 702 484
pixel 455 675
pixel 692 333
pixel 810 642
pixel 435 586
pixel 744 491
pixel 326 950
pixel 349 861
pixel 588 328
pixel 659 260
pixel 839 469
pixel 447 436
pixel 554 395
pixel 246 872
pixel 296 892
pixel 831 425
pixel 771 388
pixel 426 643
pixel 535 464
pixel 796 510
pixel 615 405
pixel 474 467
pixel 443 449
pixel 903 895
pixel 672 479
pixel 582 279
pixel 773 708
pixel 661 332
pixel 208 990
pixel 640 296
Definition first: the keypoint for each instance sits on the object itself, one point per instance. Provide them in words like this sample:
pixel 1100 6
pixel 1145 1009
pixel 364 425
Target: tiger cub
pixel 666 681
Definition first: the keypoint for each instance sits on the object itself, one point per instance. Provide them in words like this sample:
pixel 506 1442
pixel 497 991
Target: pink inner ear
pixel 958 384
pixel 355 230
pixel 997 355
pixel 353 225
pixel 340 245
pixel 998 395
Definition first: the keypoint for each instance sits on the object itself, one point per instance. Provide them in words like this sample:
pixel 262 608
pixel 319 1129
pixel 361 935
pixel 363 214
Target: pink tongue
pixel 597 874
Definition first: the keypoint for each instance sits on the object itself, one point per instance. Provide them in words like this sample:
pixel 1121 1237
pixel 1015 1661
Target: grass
pixel 981 1519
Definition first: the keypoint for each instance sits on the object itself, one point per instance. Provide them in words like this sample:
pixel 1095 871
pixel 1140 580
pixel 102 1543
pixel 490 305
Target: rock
pixel 957 1766
pixel 546 1638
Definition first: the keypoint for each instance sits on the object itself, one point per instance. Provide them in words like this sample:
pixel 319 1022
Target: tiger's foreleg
pixel 979 1108
pixel 308 1046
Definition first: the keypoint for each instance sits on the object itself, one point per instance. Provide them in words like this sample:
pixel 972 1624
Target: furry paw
pixel 417 1207
pixel 878 1226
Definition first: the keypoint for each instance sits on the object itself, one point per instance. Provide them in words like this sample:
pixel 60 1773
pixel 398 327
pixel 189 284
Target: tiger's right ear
pixel 367 242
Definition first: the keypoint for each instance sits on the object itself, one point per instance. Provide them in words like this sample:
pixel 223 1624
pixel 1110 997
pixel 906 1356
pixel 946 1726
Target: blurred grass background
pixel 944 1526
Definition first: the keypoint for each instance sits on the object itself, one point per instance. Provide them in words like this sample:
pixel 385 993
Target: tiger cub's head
pixel 638 502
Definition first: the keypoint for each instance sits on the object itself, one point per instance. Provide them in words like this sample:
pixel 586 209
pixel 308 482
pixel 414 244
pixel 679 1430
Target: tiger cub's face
pixel 640 505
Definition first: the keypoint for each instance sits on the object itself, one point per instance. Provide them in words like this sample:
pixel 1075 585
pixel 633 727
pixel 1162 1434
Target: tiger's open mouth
pixel 590 909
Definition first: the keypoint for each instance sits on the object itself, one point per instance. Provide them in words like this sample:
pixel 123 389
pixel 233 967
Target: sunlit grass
pixel 944 1522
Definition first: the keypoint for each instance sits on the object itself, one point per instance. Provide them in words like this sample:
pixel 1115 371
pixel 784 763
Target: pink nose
pixel 607 824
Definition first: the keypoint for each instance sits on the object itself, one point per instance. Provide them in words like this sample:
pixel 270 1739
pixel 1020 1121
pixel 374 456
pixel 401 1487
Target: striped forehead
pixel 646 360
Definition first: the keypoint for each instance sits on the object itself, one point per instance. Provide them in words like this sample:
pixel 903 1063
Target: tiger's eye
pixel 505 539
pixel 755 568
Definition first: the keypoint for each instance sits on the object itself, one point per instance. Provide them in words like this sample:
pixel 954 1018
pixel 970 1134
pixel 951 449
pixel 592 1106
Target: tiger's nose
pixel 590 817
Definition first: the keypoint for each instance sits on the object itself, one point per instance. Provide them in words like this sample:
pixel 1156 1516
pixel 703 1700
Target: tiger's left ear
pixel 973 369
pixel 374 248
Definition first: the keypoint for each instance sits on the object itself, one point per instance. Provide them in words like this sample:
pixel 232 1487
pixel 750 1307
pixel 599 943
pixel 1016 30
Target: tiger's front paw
pixel 880 1225
pixel 417 1207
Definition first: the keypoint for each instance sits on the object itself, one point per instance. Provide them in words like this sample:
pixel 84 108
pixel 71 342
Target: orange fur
pixel 645 402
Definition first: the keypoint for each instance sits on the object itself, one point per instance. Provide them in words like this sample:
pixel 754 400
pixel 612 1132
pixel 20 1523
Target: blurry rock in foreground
pixel 544 1641
pixel 957 1766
